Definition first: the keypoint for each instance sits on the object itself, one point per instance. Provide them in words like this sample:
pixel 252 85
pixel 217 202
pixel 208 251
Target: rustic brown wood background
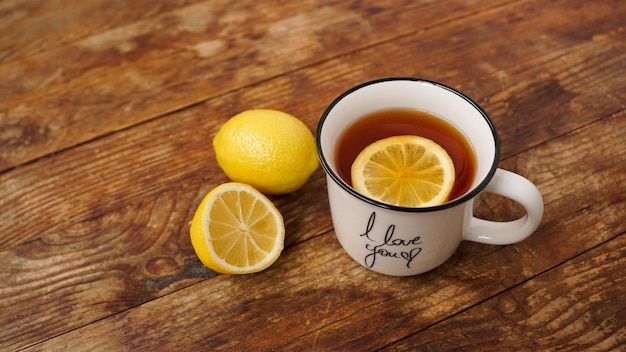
pixel 108 109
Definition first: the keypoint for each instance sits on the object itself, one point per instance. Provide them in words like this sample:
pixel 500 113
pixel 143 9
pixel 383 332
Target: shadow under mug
pixel 403 241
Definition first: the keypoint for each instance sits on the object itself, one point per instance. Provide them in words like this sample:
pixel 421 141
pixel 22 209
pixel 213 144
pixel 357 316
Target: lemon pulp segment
pixel 237 230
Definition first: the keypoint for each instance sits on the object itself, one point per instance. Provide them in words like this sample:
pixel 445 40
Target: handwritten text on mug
pixel 390 247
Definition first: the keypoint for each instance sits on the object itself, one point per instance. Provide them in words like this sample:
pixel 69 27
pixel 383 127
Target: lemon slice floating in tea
pixel 407 171
pixel 237 230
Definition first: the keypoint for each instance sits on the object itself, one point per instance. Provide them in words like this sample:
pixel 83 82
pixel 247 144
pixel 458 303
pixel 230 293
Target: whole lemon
pixel 269 150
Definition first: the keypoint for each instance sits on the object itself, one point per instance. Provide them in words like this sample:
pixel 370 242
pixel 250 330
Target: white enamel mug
pixel 403 241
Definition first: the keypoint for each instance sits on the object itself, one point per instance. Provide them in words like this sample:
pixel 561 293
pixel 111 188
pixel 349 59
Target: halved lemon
pixel 237 230
pixel 407 171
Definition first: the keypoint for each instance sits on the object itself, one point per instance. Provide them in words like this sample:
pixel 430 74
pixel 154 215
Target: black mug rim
pixel 455 202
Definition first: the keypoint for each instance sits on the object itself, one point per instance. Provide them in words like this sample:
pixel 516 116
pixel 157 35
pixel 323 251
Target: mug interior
pixel 418 94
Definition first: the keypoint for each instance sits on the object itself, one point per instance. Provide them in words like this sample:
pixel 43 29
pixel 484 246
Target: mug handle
pixel 518 189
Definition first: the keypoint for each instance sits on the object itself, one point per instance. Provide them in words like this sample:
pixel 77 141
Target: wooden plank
pixel 32 27
pixel 580 305
pixel 117 77
pixel 145 161
pixel 332 302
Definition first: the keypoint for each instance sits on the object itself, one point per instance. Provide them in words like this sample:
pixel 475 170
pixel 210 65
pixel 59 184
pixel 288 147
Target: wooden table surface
pixel 108 110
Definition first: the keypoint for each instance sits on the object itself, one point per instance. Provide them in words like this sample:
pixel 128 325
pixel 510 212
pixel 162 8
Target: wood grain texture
pixel 411 305
pixel 108 110
pixel 334 304
pixel 114 78
pixel 583 310
pixel 140 156
pixel 25 28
